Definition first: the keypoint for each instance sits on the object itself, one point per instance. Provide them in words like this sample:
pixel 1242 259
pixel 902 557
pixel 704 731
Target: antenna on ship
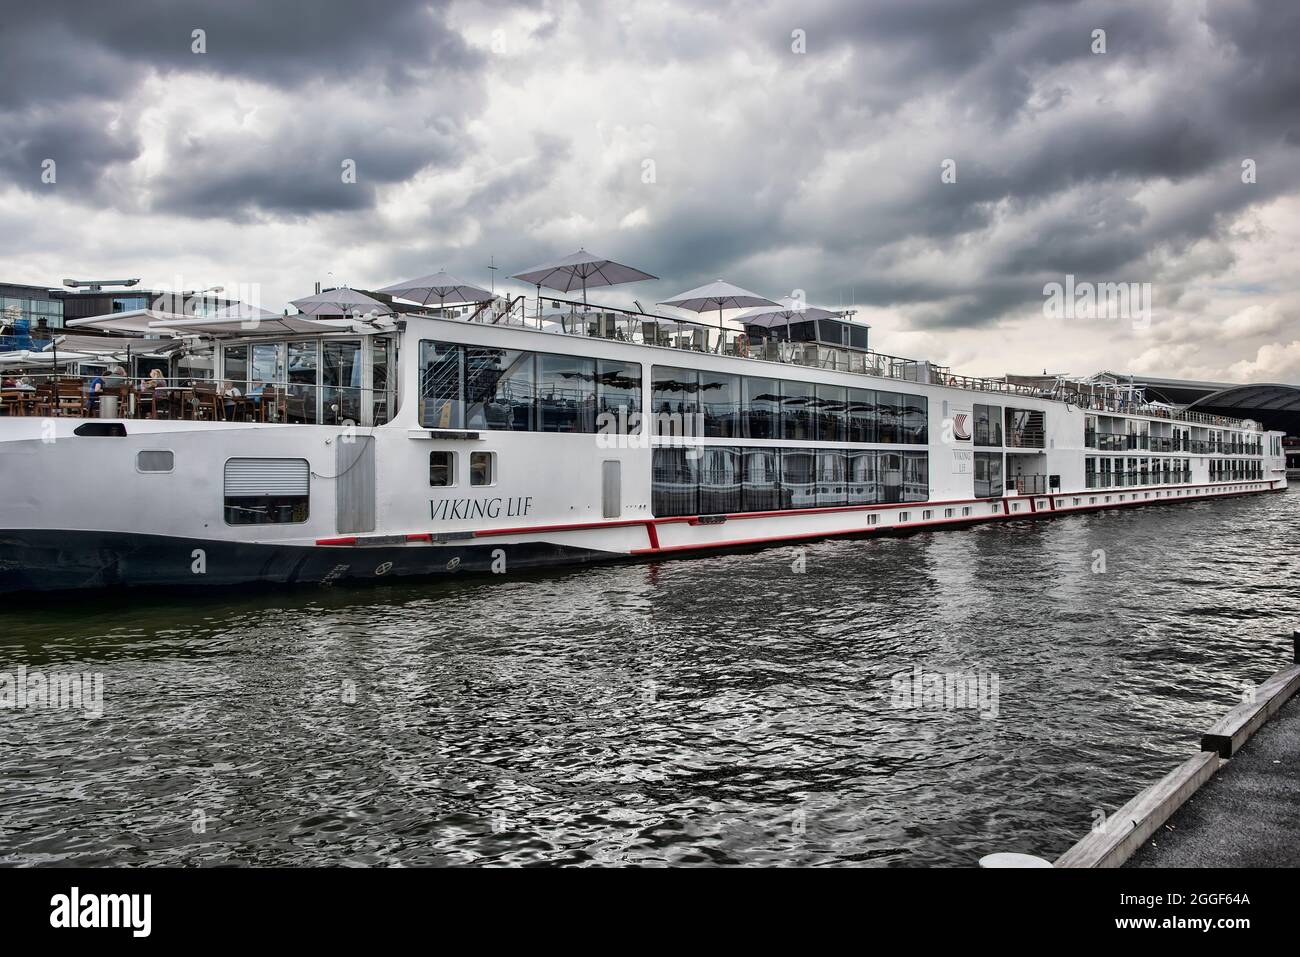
pixel 492 268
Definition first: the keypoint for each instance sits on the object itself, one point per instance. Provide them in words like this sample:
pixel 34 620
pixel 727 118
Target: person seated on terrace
pixel 229 393
pixel 9 382
pixel 155 379
pixel 116 378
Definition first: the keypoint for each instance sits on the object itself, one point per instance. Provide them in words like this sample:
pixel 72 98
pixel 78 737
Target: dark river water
pixel 738 709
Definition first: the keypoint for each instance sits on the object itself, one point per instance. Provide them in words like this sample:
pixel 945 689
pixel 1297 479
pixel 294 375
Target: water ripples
pixel 718 710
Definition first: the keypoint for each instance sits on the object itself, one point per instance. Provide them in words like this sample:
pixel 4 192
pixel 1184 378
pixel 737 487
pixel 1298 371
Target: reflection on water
pixel 709 710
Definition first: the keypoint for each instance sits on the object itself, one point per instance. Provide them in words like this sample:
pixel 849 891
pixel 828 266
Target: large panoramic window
pixel 341 381
pixel 566 393
pixel 499 389
pixel 618 395
pixel 761 408
pixel 988 425
pixel 720 402
pixel 988 474
pixel 726 479
pixel 441 386
pixel 674 400
pixel 862 424
pixel 797 421
pixel 762 480
pixel 831 412
pixel 721 480
pixel 675 488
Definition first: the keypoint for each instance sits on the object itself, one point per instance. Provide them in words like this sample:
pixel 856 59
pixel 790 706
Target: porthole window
pixel 442 469
pixel 482 468
pixel 155 460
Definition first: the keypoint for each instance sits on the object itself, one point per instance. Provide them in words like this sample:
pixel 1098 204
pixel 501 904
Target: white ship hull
pixel 80 513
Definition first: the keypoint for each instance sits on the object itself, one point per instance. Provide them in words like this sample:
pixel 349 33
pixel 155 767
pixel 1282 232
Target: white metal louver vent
pixel 249 477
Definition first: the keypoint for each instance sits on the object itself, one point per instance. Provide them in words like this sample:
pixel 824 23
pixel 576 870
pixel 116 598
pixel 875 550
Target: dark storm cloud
pixel 72 71
pixel 107 47
pixel 775 170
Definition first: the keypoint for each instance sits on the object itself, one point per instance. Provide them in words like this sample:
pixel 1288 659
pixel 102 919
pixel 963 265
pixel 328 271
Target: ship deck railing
pixel 189 399
pixel 574 318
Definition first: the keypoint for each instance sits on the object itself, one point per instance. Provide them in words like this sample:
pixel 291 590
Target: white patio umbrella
pixel 717 295
pixel 438 286
pixel 579 269
pixel 339 302
pixel 787 310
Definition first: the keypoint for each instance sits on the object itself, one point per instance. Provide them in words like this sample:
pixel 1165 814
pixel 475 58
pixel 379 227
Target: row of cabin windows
pixel 1106 473
pixel 442 469
pixel 711 480
pixel 720 405
pixel 474 387
pixel 1230 470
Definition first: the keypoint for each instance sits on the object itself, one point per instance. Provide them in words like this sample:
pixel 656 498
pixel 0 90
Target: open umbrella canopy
pixel 717 295
pixel 787 311
pixel 439 286
pixel 581 270
pixel 339 302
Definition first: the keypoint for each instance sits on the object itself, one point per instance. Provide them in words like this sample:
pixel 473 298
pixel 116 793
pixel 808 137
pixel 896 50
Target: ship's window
pixel 482 468
pixel 862 415
pixel 618 394
pixel 988 425
pixel 903 517
pixel 796 411
pixel 831 413
pixel 873 518
pixel 889 414
pixel 441 386
pixel 988 474
pixel 761 408
pixel 762 480
pixel 676 480
pixel 500 391
pixel 341 381
pixel 442 469
pixel 947 513
pixel 915 421
pixel 714 479
pixel 830 478
pixel 798 477
pixel 965 509
pixel 862 487
pixel 566 393
pixel 720 403
pixel 927 515
pixel 720 480
pixel 674 401
pixel 916 476
pixel 302 395
pixel 155 460
pixel 266 491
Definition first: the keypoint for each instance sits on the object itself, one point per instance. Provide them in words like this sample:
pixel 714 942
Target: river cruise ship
pixel 528 432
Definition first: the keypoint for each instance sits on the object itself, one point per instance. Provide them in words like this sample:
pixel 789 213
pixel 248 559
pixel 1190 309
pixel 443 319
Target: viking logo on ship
pixel 960 427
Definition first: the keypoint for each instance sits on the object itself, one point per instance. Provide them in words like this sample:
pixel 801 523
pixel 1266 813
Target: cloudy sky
pixel 781 146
